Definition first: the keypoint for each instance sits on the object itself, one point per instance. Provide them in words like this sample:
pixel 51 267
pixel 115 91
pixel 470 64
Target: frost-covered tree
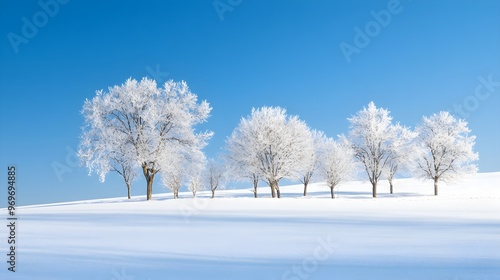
pixel 195 167
pixel 310 170
pixel 173 180
pixel 214 175
pixel 445 149
pixel 241 162
pixel 143 124
pixel 182 167
pixel 337 162
pixel 278 146
pixel 95 154
pixel 402 153
pixel 371 134
pixel 126 168
pixel 195 184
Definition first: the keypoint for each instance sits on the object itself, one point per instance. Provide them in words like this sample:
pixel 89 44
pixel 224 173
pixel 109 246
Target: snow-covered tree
pixel 95 154
pixel 173 180
pixel 143 125
pixel 195 184
pixel 310 170
pixel 277 146
pixel 337 161
pixel 214 175
pixel 195 166
pixel 242 162
pixel 126 168
pixel 445 149
pixel 183 167
pixel 371 134
pixel 402 153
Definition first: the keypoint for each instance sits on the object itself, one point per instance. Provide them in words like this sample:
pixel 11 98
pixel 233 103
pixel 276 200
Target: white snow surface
pixel 409 235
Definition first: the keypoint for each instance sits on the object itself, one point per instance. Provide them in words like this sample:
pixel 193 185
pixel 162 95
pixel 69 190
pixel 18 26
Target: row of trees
pixel 139 127
pixel 271 146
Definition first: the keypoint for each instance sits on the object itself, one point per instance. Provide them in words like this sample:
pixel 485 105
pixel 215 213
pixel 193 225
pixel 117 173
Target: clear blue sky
pixel 281 53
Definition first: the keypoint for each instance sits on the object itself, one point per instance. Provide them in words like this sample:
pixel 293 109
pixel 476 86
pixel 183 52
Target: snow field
pixel 409 235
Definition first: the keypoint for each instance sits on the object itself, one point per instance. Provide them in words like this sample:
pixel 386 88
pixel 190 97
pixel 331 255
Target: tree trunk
pixel 392 189
pixel 176 193
pixel 331 191
pixel 436 186
pixel 255 185
pixel 273 192
pixel 149 180
pixel 275 188
pixel 374 190
pixel 149 175
pixel 305 189
pixel 194 194
pixel 213 193
pixel 128 190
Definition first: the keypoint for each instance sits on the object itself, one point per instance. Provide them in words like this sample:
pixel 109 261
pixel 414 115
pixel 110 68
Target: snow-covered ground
pixel 409 235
